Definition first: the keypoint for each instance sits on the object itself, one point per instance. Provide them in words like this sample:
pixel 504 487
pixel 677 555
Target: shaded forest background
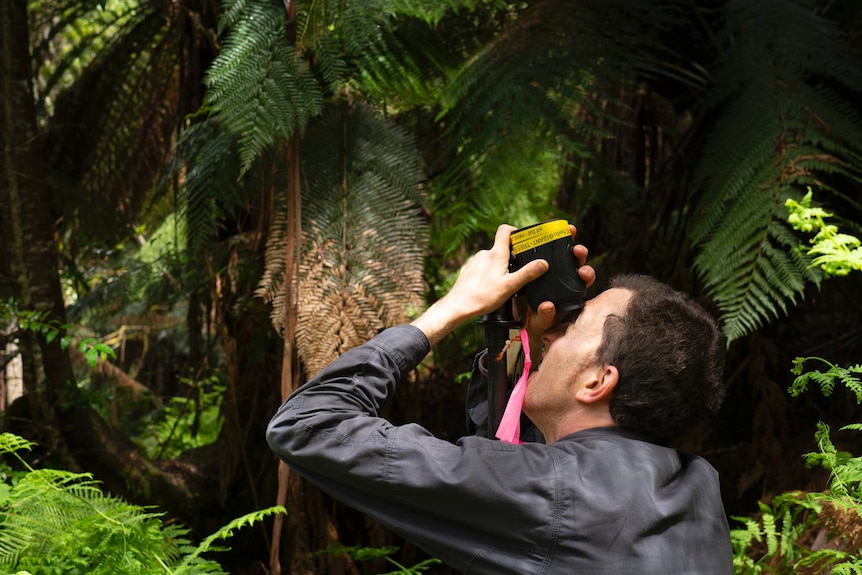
pixel 230 194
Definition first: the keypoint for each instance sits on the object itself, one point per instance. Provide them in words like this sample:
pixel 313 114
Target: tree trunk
pixel 28 244
pixel 51 413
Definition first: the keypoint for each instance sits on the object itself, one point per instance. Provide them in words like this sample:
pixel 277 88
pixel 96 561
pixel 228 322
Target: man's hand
pixel 483 285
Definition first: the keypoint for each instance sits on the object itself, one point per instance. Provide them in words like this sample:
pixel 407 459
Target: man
pixel 602 495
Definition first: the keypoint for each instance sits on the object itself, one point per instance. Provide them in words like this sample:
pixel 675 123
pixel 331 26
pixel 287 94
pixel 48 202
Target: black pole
pixel 497 326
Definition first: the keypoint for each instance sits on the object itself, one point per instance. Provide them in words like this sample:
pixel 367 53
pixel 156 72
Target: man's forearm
pixel 440 320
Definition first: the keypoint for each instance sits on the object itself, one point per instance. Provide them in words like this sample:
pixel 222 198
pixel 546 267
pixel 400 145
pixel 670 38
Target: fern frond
pixel 111 129
pixel 404 67
pixel 747 266
pixel 55 520
pixel 70 40
pixel 778 133
pixel 849 376
pixel 11 443
pixel 260 86
pixel 191 563
pixel 430 12
pixel 543 81
pixel 852 567
pixel 206 164
pixel 364 235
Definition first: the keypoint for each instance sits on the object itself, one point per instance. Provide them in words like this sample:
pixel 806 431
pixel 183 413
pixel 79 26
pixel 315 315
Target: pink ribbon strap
pixel 509 429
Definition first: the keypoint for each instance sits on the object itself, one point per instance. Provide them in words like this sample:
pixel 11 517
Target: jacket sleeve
pixel 447 498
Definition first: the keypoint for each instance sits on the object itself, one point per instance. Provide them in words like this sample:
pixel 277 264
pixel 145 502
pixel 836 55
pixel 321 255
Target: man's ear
pixel 601 386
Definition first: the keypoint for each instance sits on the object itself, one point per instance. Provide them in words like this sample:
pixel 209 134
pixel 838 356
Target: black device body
pixel 552 242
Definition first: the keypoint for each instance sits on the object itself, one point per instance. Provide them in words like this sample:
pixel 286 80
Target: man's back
pixel 601 500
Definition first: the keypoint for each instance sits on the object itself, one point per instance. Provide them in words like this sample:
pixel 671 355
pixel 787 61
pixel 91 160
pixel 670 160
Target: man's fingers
pixel 502 239
pixel 588 274
pixel 581 252
pixel 540 321
pixel 585 272
pixel 545 315
pixel 528 272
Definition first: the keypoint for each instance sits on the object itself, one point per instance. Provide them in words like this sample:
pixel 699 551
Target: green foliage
pixel 826 380
pixel 776 534
pixel 40 322
pixel 54 521
pixel 786 121
pixel 404 68
pixel 274 75
pixel 112 79
pixel 845 470
pixel 70 40
pixel 360 553
pixel 835 253
pixel 206 163
pixel 259 85
pixel 509 111
pixel 778 540
pixel 786 550
pixel 184 422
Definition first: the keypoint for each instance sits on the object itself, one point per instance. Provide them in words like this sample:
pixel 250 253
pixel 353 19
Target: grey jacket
pixel 600 501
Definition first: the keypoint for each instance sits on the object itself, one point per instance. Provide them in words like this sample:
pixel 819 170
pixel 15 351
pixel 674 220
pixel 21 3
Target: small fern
pixel 55 521
pixel 836 510
pixel 837 254
pixel 849 376
pixel 362 553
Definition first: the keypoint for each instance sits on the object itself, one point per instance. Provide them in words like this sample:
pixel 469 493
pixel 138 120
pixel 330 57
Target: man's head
pixel 669 353
pixel 641 355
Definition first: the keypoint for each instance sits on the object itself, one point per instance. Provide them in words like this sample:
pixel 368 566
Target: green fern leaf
pixel 11 443
pixel 191 563
pixel 777 135
pixel 770 533
pixel 261 88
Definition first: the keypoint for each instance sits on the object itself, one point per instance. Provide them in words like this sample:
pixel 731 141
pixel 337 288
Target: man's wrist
pixel 440 320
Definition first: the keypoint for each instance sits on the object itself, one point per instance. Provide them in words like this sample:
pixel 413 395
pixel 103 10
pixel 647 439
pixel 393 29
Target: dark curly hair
pixel 670 356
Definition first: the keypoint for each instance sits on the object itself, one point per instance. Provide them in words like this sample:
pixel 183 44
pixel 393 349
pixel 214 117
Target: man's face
pixel 569 359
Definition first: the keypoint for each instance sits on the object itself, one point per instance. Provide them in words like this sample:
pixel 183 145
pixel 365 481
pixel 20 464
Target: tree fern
pixel 364 235
pixel 71 36
pixel 205 163
pixel 532 99
pixel 268 83
pixel 111 129
pixel 404 67
pixel 782 126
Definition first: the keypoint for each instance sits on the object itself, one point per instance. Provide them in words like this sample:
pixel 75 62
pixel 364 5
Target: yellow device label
pixel 538 235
